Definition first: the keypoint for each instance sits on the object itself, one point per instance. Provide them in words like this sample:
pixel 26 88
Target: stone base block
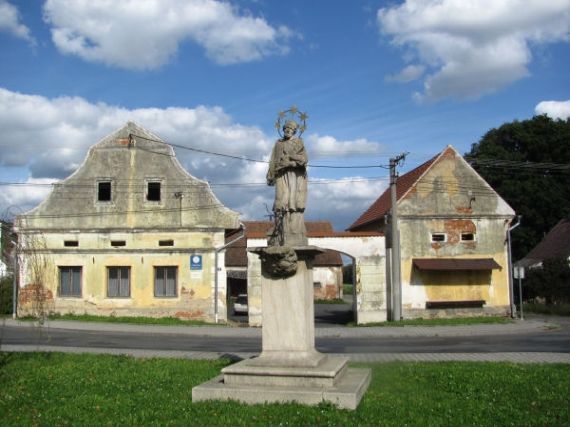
pixel 261 371
pixel 346 393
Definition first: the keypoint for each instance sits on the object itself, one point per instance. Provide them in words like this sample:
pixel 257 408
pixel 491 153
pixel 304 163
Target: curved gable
pixel 148 188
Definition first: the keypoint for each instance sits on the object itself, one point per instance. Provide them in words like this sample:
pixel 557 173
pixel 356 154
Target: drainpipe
pixel 15 281
pixel 15 287
pixel 511 285
pixel 217 251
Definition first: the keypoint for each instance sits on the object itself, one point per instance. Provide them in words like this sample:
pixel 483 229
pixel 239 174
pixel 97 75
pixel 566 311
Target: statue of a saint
pixel 288 173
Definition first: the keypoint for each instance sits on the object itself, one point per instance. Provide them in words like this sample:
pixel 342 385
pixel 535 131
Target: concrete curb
pixel 518 327
pixel 522 357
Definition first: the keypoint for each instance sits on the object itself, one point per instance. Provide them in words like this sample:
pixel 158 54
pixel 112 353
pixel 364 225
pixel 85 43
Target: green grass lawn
pixel 171 321
pixel 442 322
pixel 62 389
pixel 167 321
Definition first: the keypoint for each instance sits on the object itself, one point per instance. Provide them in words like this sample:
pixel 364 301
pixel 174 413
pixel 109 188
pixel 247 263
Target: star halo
pixel 291 114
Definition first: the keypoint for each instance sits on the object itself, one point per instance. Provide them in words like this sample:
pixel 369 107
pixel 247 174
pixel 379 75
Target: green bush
pixel 550 283
pixel 6 288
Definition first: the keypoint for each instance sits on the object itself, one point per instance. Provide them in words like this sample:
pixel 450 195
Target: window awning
pixel 455 264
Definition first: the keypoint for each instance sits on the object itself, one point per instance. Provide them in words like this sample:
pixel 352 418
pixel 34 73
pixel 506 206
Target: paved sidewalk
pixel 522 357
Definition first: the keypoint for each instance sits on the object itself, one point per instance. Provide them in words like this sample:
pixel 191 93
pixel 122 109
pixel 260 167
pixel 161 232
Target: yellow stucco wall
pixel 142 254
pixel 185 210
pixel 451 199
pixel 422 286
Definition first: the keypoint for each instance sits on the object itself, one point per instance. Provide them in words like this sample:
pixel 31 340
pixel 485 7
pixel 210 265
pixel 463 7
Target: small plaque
pixel 195 262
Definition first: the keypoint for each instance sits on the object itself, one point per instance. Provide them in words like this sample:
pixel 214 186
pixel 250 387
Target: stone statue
pixel 288 173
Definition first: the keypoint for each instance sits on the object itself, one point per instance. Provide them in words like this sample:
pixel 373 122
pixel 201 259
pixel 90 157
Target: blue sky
pixel 376 78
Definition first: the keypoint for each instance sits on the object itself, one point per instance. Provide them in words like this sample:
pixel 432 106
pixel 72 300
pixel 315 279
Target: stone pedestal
pixel 289 367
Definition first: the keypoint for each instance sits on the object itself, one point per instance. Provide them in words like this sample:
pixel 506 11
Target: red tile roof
pixel 236 254
pixel 556 244
pixel 259 229
pixel 383 204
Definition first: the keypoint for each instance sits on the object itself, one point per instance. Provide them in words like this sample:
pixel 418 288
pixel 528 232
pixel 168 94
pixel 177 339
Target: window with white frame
pixel 118 282
pixel 467 237
pixel 104 191
pixel 70 281
pixel 165 279
pixel 438 237
pixel 153 191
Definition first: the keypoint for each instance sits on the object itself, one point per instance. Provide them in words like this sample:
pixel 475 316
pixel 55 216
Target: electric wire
pixel 199 150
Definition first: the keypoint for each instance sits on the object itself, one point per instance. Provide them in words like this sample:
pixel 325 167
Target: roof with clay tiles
pixel 383 204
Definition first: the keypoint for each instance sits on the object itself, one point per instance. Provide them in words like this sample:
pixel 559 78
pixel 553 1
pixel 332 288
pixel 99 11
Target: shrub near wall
pixel 550 283
pixel 6 288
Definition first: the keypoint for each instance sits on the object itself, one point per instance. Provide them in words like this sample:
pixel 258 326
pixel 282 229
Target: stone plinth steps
pixel 289 368
pixel 250 381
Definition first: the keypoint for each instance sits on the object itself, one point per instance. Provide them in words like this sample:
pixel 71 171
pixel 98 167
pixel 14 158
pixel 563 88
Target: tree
pixel 521 161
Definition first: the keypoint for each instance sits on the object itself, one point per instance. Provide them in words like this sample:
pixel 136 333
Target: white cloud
pixel 146 34
pixel 472 48
pixel 343 201
pixel 10 22
pixel 407 74
pixel 323 146
pixel 18 199
pixel 49 139
pixel 554 109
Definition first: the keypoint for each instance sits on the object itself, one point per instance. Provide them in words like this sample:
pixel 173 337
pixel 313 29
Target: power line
pixel 199 150
pixel 512 164
pixel 62 184
pixel 126 212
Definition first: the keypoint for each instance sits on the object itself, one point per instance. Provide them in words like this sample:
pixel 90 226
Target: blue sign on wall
pixel 195 262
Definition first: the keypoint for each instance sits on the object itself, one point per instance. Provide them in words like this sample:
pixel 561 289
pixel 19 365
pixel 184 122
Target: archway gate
pixel 368 249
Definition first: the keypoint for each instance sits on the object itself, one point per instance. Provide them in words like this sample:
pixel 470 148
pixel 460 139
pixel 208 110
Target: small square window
pixel 438 237
pixel 104 191
pixel 467 237
pixel 153 192
pixel 70 281
pixel 119 282
pixel 165 281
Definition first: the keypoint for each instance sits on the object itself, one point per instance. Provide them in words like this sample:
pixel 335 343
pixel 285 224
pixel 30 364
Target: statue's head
pixel 290 127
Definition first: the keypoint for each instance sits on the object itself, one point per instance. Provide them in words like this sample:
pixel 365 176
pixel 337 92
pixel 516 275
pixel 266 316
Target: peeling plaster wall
pixel 188 214
pixel 194 299
pixel 370 259
pixel 254 283
pixel 328 282
pixel 452 198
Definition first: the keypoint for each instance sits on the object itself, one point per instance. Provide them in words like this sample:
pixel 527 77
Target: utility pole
pixel 511 271
pixel 396 284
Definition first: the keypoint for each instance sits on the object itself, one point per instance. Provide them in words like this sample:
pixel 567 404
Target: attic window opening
pixel 71 243
pixel 104 191
pixel 438 237
pixel 467 237
pixel 116 243
pixel 166 243
pixel 153 192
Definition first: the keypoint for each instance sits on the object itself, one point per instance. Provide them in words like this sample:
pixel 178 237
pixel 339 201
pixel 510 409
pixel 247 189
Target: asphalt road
pixel 555 341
